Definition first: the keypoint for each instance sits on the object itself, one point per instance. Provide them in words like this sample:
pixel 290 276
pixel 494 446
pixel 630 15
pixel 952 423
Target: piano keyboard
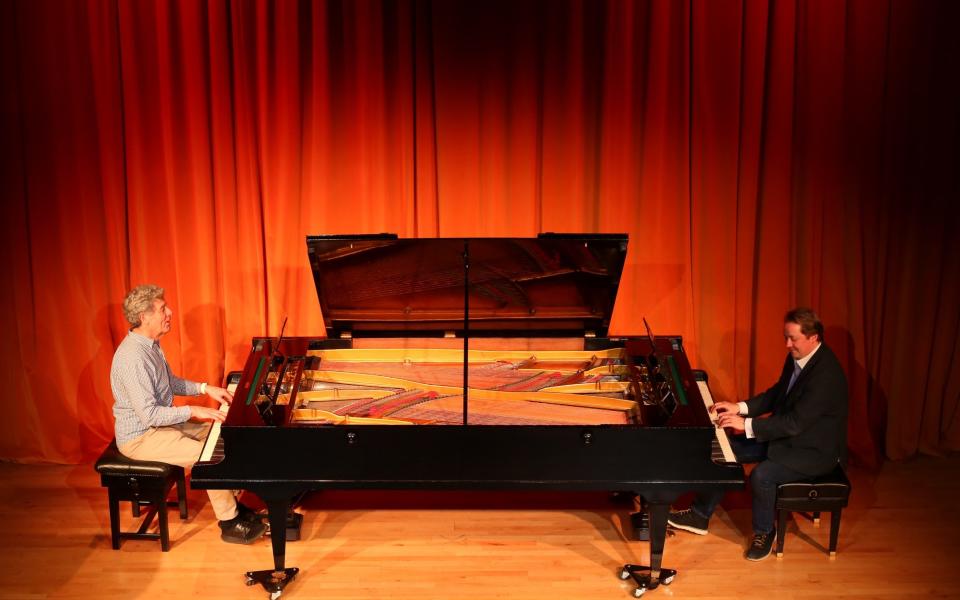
pixel 213 447
pixel 722 443
pixel 722 452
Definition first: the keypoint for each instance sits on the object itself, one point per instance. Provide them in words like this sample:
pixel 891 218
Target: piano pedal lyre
pixel 641 526
pixel 640 522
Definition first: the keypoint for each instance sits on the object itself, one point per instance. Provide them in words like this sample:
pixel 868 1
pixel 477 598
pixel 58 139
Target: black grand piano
pixel 469 364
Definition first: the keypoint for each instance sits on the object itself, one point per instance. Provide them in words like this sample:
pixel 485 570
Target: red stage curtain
pixel 761 155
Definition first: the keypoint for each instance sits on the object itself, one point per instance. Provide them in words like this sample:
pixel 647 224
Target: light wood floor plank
pixel 898 539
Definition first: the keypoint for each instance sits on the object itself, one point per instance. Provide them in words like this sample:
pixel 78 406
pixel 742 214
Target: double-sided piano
pixel 469 364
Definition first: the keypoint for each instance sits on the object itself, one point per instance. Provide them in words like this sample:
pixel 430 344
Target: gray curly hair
pixel 140 300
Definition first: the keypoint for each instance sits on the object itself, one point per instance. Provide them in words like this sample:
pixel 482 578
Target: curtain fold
pixel 761 155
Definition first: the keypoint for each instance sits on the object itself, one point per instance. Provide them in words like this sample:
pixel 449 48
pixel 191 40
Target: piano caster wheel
pixel 643 578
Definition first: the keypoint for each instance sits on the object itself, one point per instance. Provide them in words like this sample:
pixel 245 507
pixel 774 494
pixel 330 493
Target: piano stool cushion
pixel 112 462
pixel 829 492
pixel 824 492
pixel 141 482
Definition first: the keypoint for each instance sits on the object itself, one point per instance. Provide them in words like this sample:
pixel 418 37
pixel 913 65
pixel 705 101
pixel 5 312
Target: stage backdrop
pixel 760 155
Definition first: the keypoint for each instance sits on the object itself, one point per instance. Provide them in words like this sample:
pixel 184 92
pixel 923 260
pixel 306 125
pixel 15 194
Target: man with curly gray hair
pixel 147 424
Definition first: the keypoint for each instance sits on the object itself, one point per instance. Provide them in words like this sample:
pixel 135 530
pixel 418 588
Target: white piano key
pixel 728 455
pixel 210 445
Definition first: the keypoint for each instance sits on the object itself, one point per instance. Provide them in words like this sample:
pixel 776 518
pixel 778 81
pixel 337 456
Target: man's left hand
pixel 219 394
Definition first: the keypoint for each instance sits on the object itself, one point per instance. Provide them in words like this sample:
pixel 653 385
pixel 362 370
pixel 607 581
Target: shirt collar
pixel 142 339
pixel 803 361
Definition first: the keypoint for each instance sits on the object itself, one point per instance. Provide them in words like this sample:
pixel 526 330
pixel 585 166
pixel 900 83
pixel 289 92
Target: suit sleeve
pixel 763 403
pixel 818 397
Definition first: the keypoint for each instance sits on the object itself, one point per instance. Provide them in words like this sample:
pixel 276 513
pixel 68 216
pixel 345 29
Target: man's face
pixel 156 322
pixel 798 344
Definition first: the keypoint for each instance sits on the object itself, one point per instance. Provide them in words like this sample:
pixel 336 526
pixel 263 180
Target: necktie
pixel 793 378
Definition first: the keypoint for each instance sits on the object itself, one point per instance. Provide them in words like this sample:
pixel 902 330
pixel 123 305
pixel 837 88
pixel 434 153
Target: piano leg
pixel 274 580
pixel 640 520
pixel 650 577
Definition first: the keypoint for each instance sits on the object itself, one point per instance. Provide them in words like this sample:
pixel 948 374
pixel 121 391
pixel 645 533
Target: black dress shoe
pixel 247 513
pixel 760 546
pixel 239 530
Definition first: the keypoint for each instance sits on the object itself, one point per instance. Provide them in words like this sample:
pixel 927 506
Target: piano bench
pixel 142 483
pixel 828 492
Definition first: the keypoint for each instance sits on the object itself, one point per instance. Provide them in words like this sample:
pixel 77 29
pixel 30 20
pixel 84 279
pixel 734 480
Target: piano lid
pixel 561 284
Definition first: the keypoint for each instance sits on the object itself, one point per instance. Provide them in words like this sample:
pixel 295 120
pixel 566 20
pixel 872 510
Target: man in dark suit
pixel 804 434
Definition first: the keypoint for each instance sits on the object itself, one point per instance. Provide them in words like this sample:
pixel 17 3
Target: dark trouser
pixel 764 480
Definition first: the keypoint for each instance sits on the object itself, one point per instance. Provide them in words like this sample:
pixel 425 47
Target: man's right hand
pixel 205 413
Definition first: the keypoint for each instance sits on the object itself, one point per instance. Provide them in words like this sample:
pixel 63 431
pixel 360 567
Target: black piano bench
pixel 828 492
pixel 143 483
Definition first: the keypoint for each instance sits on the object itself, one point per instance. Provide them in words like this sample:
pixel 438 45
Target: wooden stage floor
pixel 900 538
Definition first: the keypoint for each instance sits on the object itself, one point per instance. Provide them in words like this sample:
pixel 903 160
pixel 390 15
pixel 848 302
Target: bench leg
pixel 816 518
pixel 164 532
pixel 781 530
pixel 114 520
pixel 834 530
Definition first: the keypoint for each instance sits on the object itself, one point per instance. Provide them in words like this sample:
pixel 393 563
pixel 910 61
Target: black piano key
pixel 218 453
pixel 716 453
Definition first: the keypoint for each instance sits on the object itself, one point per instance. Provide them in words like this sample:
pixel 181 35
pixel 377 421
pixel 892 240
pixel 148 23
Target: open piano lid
pixel 380 285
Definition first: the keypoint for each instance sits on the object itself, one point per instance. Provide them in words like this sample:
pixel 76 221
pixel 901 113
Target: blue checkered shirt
pixel 143 388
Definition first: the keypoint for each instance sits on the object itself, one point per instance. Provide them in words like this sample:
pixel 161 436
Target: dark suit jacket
pixel 807 430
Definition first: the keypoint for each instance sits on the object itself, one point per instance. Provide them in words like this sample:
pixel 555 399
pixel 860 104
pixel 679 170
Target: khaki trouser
pixel 180 445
